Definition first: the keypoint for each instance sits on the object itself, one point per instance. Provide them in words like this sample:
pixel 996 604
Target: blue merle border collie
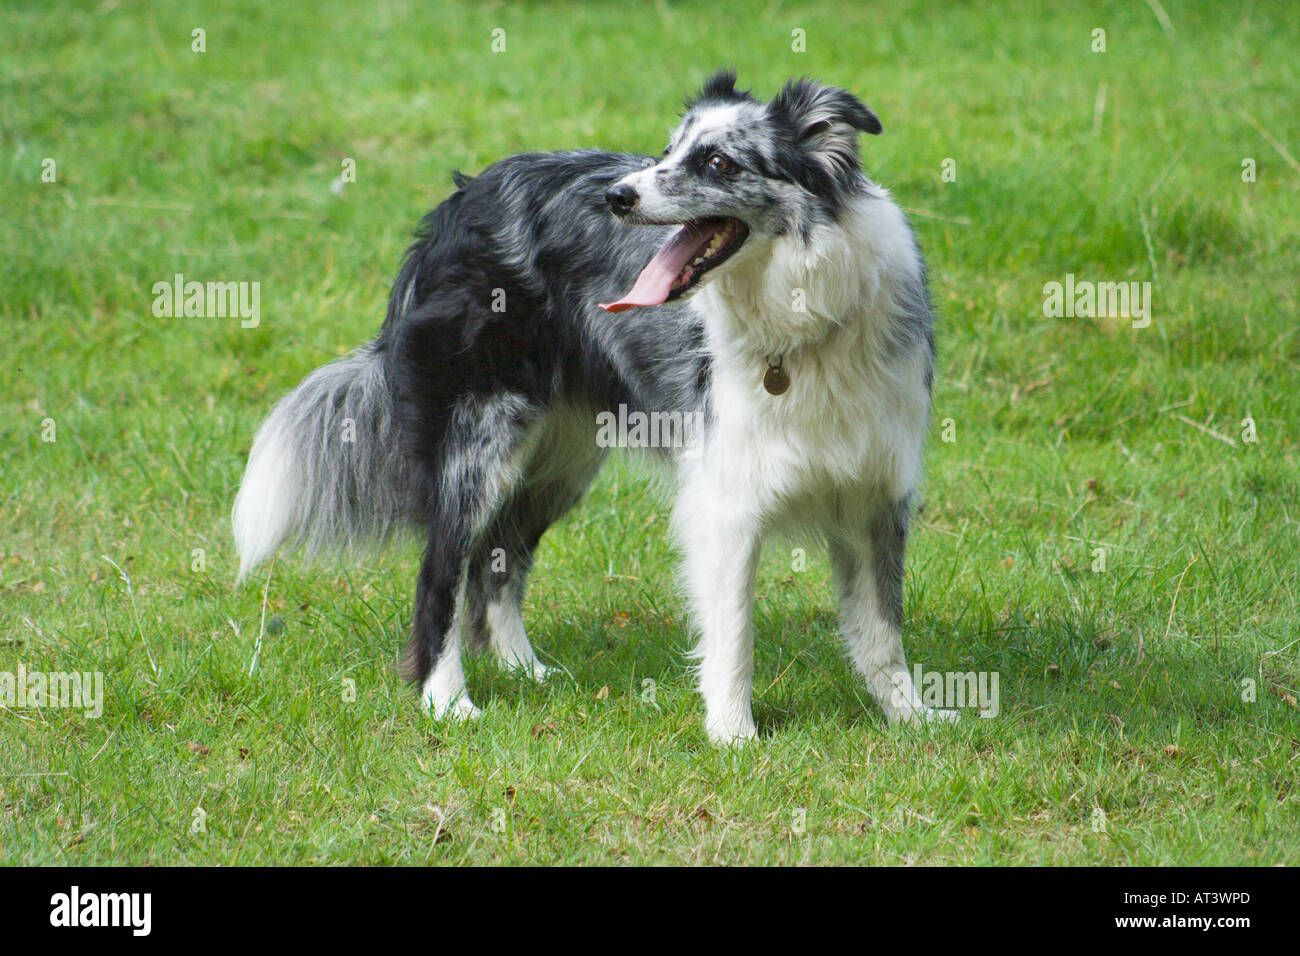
pixel 772 290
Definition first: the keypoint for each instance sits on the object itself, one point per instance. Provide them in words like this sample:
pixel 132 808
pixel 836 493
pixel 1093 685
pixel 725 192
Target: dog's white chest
pixel 845 421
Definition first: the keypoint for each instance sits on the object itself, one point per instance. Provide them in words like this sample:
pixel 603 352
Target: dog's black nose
pixel 621 199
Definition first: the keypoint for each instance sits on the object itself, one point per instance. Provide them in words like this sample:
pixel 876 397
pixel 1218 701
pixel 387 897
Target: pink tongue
pixel 656 279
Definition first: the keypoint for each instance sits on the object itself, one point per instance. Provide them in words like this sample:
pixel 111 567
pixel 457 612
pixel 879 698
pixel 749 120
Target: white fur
pixel 267 507
pixel 509 640
pixel 849 429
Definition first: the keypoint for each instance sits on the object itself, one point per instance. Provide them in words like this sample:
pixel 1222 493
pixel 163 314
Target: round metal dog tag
pixel 775 380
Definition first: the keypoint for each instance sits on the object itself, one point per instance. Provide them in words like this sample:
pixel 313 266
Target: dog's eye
pixel 719 163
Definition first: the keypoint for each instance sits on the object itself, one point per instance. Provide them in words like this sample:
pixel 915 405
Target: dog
pixel 774 294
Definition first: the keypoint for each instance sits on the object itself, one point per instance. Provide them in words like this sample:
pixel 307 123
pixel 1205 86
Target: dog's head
pixel 738 172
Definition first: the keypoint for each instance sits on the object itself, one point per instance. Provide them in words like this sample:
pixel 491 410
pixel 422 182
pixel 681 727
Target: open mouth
pixel 683 261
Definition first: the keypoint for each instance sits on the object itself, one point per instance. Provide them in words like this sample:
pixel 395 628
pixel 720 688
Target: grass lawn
pixel 1104 530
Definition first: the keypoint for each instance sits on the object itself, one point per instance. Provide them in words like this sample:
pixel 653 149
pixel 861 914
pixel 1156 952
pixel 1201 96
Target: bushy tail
pixel 326 469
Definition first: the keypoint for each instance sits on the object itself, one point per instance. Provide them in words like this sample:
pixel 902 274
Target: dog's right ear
pixel 824 121
pixel 812 108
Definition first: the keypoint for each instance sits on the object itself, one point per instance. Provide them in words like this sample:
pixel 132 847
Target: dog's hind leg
pixel 498 576
pixel 867 564
pixel 433 656
pixel 476 469
pixel 564 460
pixel 505 622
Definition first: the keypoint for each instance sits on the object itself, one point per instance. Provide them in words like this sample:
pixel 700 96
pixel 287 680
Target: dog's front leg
pixel 867 564
pixel 721 545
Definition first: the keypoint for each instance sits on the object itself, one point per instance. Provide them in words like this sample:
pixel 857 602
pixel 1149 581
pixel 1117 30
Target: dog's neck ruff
pixel 809 300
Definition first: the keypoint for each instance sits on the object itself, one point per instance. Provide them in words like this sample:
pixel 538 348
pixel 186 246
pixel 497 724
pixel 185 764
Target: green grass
pixel 1121 690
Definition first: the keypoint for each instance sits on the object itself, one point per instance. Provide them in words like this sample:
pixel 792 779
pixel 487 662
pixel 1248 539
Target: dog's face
pixel 738 172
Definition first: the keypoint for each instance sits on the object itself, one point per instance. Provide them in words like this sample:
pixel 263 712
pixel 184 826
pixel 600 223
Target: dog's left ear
pixel 824 121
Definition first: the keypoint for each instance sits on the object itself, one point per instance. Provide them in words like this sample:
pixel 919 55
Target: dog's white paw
pixel 463 709
pixel 731 733
pixel 537 672
pixel 533 670
pixel 924 715
pixel 459 709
